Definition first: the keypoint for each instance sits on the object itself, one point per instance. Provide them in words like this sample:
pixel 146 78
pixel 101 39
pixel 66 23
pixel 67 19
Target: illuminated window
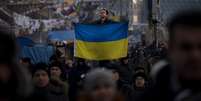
pixel 135 19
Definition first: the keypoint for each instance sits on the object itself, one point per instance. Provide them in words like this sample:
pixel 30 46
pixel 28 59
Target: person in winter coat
pixel 138 88
pixel 179 77
pixel 15 82
pixel 76 76
pixel 58 81
pixel 47 89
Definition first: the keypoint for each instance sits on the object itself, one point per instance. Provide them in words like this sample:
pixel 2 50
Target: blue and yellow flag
pixel 101 42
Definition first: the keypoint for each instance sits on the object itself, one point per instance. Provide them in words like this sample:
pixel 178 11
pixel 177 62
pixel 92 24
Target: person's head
pixel 58 53
pixel 100 86
pixel 104 14
pixel 116 75
pixel 40 75
pixel 185 44
pixel 153 60
pixel 55 69
pixel 115 70
pixel 162 45
pixel 8 80
pixel 69 63
pixel 25 61
pixel 139 70
pixel 80 61
pixel 125 61
pixel 139 80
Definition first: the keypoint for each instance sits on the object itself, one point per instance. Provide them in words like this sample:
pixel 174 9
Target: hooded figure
pixel 99 85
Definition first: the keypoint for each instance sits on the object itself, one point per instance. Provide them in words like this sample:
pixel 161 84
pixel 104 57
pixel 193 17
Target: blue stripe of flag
pixel 101 33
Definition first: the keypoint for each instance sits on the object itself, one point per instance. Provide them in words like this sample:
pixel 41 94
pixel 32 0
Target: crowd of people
pixel 133 78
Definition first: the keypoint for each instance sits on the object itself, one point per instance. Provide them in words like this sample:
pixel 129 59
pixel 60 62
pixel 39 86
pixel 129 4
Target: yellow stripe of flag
pixel 102 50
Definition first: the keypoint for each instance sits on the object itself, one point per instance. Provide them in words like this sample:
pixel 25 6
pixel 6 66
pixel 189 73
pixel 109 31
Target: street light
pixel 135 1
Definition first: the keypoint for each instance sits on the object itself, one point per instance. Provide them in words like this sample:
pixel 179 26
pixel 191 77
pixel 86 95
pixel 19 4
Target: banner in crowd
pixel 38 54
pixel 101 42
pixel 24 41
pixel 61 35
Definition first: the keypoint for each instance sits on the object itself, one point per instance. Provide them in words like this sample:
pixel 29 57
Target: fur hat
pixel 99 77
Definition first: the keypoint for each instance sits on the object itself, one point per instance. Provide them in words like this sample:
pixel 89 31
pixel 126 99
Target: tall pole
pixel 153 18
pixel 121 8
pixel 157 15
pixel 150 17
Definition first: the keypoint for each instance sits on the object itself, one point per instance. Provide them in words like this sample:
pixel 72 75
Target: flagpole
pixel 153 18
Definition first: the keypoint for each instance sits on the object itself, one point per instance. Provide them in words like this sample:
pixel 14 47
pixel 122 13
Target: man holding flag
pixel 104 17
pixel 104 40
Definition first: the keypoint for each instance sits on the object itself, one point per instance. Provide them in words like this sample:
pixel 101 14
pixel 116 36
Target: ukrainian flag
pixel 101 42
